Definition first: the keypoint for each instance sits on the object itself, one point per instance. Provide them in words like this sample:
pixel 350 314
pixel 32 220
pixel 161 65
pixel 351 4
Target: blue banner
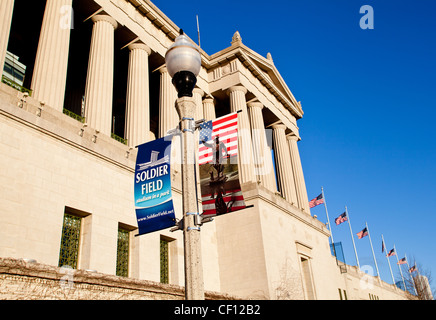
pixel 153 196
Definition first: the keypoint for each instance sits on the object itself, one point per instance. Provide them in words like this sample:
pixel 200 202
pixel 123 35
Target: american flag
pixel 233 198
pixel 391 253
pixel 225 131
pixel 226 128
pixel 383 246
pixel 317 201
pixel 402 261
pixel 342 218
pixel 362 233
pixel 412 269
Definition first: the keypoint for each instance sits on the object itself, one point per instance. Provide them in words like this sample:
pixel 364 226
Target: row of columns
pixel 50 69
pixel 49 82
pixel 50 73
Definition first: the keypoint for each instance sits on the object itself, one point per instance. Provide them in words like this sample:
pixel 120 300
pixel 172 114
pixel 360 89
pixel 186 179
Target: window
pixel 373 297
pixel 342 294
pixel 70 241
pixel 123 246
pixel 164 261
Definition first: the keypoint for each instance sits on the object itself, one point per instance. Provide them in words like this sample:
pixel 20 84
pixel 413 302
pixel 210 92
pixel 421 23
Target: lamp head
pixel 183 61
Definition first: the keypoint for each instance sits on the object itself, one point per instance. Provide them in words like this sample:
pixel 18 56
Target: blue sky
pixel 369 100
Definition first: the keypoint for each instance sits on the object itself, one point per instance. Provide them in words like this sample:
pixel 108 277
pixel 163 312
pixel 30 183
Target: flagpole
pixel 352 238
pixel 372 248
pixel 399 267
pixel 389 263
pixel 410 274
pixel 327 213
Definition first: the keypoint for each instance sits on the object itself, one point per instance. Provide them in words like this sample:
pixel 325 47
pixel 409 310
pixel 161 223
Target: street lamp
pixel 183 62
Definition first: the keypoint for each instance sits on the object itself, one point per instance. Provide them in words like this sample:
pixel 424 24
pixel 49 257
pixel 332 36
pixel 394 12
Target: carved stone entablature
pixel 225 69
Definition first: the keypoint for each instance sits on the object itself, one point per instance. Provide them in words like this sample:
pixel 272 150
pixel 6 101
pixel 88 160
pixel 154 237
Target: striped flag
pixel 226 129
pixel 342 218
pixel 412 269
pixel 234 198
pixel 402 261
pixel 391 253
pixel 362 233
pixel 317 201
pixel 219 173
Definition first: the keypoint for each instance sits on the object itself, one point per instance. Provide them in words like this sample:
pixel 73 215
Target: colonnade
pixel 255 158
pixel 49 81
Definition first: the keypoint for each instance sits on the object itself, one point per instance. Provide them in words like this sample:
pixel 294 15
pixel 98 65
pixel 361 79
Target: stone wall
pixel 26 280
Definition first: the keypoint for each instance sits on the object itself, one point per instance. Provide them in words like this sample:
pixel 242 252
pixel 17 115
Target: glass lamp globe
pixel 183 61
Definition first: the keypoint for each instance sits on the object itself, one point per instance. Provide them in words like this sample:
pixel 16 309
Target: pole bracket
pixel 204 219
pixel 190 125
pixel 194 228
pixel 178 226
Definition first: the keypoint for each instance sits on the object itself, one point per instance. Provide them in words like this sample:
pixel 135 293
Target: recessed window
pixel 70 242
pixel 164 261
pixel 123 246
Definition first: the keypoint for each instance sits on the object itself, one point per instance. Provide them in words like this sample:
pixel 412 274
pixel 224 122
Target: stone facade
pixel 53 164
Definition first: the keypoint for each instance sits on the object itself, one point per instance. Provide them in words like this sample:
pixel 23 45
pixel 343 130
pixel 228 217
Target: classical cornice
pixel 258 65
pixel 157 17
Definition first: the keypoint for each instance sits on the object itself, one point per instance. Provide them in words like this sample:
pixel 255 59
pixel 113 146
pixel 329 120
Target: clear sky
pixel 369 100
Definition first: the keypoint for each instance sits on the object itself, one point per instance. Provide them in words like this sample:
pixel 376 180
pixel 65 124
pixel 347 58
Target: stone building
pixel 95 87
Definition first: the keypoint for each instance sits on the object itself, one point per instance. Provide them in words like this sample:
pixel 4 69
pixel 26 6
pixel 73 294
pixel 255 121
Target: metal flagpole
pixel 410 274
pixel 352 238
pixel 372 248
pixel 327 213
pixel 399 267
pixel 389 263
pixel 198 30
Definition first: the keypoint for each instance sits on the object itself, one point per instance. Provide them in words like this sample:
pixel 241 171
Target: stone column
pixel 300 184
pixel 168 120
pixel 6 11
pixel 262 155
pixel 283 164
pixel 198 97
pixel 209 109
pixel 168 117
pixel 100 78
pixel 245 153
pixel 138 96
pixel 50 71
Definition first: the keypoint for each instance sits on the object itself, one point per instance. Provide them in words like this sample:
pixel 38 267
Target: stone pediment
pixel 260 67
